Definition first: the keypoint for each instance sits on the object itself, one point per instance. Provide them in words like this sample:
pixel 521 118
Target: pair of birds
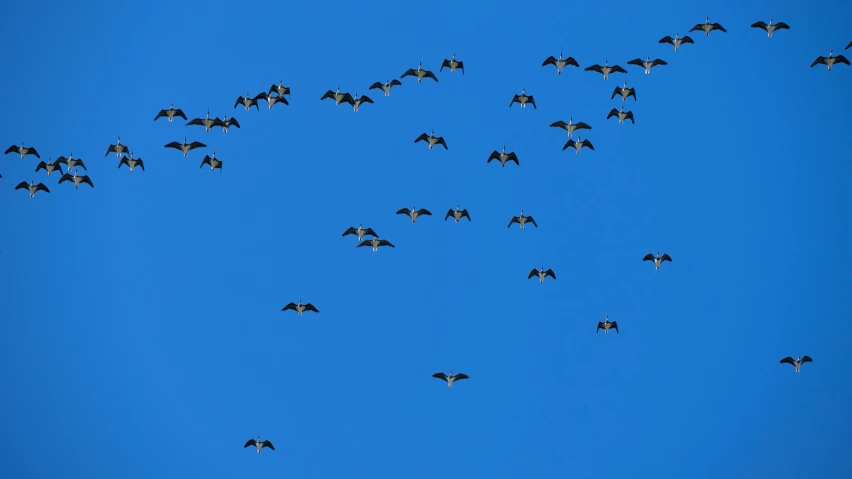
pixel 343 97
pixel 32 188
pixel 360 232
pixel 414 213
pixel 209 123
pixel 248 101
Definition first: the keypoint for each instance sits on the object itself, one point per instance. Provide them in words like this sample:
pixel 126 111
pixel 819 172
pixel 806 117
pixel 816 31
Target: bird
pixel 621 115
pixel 212 161
pixel 226 123
pixel 300 308
pixel 521 220
pixel 22 150
pixel 708 27
pixel 503 157
pixel 658 260
pixel 131 162
pixel 32 187
pixel 360 232
pixel 577 145
pixel 770 28
pixel 451 378
pixel 560 63
pixel 523 99
pixel 570 127
pixel 452 64
pixel 375 243
pixel 338 97
pixel 248 101
pixel 646 64
pixel 457 214
pixel 625 92
pixel 259 444
pixel 49 167
pixel 420 73
pixel 280 89
pixel 118 148
pixel 386 87
pixel 206 122
pixel 273 100
pixel 70 162
pixel 413 213
pixel 797 363
pixel 606 325
pixel 541 273
pixel 357 101
pixel 830 60
pixel 185 147
pixel 606 69
pixel 171 113
pixel 76 179
pixel 432 140
pixel 676 41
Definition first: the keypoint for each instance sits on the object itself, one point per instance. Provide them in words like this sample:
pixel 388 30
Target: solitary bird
pixel 131 162
pixel 206 122
pixel 248 101
pixel 357 101
pixel 541 273
pixel 457 214
pixel 272 100
pixel 606 69
pixel 432 140
pixel 646 64
pixel 360 232
pixel 185 147
pixel 118 148
pixel 570 127
pixel 452 64
pixel 708 27
pixel 578 145
pixel 300 308
pixel 523 99
pixel 171 113
pixel 449 379
pixel 658 260
pixel 259 444
pixel 522 220
pixel 226 123
pixel 676 41
pixel 22 150
pixel 420 73
pixel 32 187
pixel 337 96
pixel 76 179
pixel 49 167
pixel 770 28
pixel 386 87
pixel 70 162
pixel 375 243
pixel 621 115
pixel 559 63
pixel 280 89
pixel 606 325
pixel 830 60
pixel 212 161
pixel 413 213
pixel 797 363
pixel 625 92
pixel 503 157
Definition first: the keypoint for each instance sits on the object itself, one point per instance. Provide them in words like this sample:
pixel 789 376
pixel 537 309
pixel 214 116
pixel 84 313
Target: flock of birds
pixel 277 94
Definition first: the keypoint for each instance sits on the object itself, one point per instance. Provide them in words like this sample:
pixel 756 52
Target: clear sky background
pixel 142 334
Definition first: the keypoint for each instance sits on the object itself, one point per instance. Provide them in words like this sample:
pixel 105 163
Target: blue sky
pixel 142 332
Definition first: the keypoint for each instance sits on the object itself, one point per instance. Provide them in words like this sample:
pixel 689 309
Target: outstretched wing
pixel 233 122
pixel 369 231
pixel 440 376
pixel 513 220
pixel 123 161
pixel 386 243
pixel 782 26
pixel 531 220
pixel 66 177
pixel 376 85
pixel 22 184
pixel 514 100
pixel 637 61
pixel 194 121
pixel 465 214
pixel 588 144
pixel 311 307
pixel 582 126
pixel 629 116
pixel 409 72
pixel 41 187
pixel 666 39
pixel 666 257
pixel 550 273
pixel 807 359
pixel 788 360
pixel 648 257
pixel 658 62
pixel 513 157
pixel 395 82
pixel 268 444
pixel 87 180
pixel 366 99
pixel 560 124
pixel 445 63
pixel 239 101
pixel 717 26
pixel 449 213
pixel 495 155
pixel 534 272
pixel 841 59
pixel 350 231
pixel 614 325
pixel 699 26
pixel 161 114
pixel 42 165
pixel 251 442
pixel 289 306
pixel 422 137
pixel 759 25
pixel 569 144
pixel 594 68
pixel 571 61
pixel 328 94
pixel 424 212
pixel 460 376
pixel 818 61
pixel 180 113
pixel 551 60
pixel 404 211
pixel 687 39
pixel 14 149
pixel 111 149
pixel 431 75
pixel 196 144
pixel 612 113
pixel 174 145
pixel 442 143
pixel 205 161
pixel 618 69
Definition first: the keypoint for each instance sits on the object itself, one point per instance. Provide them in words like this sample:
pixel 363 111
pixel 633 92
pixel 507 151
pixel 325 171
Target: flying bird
pixel 523 99
pixel 171 113
pixel 658 260
pixel 451 378
pixel 206 122
pixel 185 147
pixel 621 115
pixel 797 363
pixel 375 243
pixel 212 161
pixel 49 167
pixel 625 92
pixel 578 145
pixel 360 232
pixel 432 140
pixel 76 179
pixel 420 73
pixel 131 162
pixel 259 444
pixel 559 63
pixel 118 148
pixel 338 97
pixel 570 127
pixel 32 187
pixel 300 308
pixel 676 41
pixel 541 273
pixel 70 162
pixel 457 214
pixel 414 213
pixel 357 101
pixel 830 60
pixel 22 150
pixel 606 70
pixel 606 325
pixel 770 28
pixel 503 157
pixel 248 101
pixel 452 64
pixel 522 220
pixel 646 64
pixel 273 100
pixel 708 27
pixel 280 89
pixel 386 87
pixel 226 123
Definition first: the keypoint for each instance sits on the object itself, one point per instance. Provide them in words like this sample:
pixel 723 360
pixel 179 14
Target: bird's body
pixel 357 101
pixel 770 27
pixel 206 122
pixel 386 86
pixel 541 273
pixel 559 63
pixel 450 379
pixel 131 162
pixel 570 127
pixel 503 157
pixel 259 444
pixel 76 179
pixel 23 151
pixel 606 70
pixel 457 214
pixel 50 167
pixel 375 243
pixel 658 260
pixel 185 147
pixel 118 148
pixel 522 220
pixel 624 92
pixel 647 64
pixel 249 101
pixel 578 145
pixel 414 213
pixel 676 41
pixel 70 162
pixel 338 96
pixel 360 232
pixel 420 73
pixel 32 187
pixel 830 60
pixel 606 325
pixel 300 308
pixel 797 363
pixel 432 140
pixel 171 113
pixel 523 99
pixel 452 64
pixel 226 123
pixel 707 27
pixel 212 161
pixel 621 115
pixel 279 89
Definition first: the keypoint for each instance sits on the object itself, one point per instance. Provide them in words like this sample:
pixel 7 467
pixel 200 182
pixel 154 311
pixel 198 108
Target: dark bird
pixel 578 145
pixel 272 100
pixel 76 179
pixel 226 123
pixel 570 127
pixel 171 113
pixel 450 379
pixel 386 87
pixel 118 148
pixel 621 115
pixel 259 444
pixel 22 150
pixel 338 97
pixel 522 220
pixel 248 101
pixel 560 63
pixel 457 214
pixel 32 187
pixel 300 308
pixel 797 363
pixel 452 64
pixel 131 162
pixel 541 273
pixel 830 60
pixel 523 99
pixel 375 243
pixel 606 69
pixel 212 161
pixel 357 101
pixel 432 140
pixel 770 27
pixel 185 147
pixel 420 73
pixel 70 162
pixel 206 122
pixel 279 89
pixel 708 27
pixel 360 232
pixel 414 213
pixel 606 325
pixel 658 260
pixel 503 157
pixel 625 92
pixel 676 41
pixel 646 64
pixel 49 167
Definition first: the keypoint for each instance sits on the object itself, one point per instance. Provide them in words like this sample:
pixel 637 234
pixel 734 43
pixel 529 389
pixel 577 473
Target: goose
pixel 578 145
pixel 185 147
pixel 338 97
pixel 357 101
pixel 70 162
pixel 521 220
pixel 658 260
pixel 118 148
pixel 272 100
pixel 32 187
pixel 300 308
pixel 560 63
pixel 76 179
pixel 606 69
pixel 360 232
pixel 226 123
pixel 646 64
pixel 451 378
pixel 541 273
pixel 797 363
pixel 280 89
pixel 570 127
pixel 171 113
pixel 523 99
pixel 432 140
pixel 606 325
pixel 413 213
pixel 770 27
pixel 503 157
pixel 212 161
pixel 131 162
pixel 452 64
pixel 375 243
pixel 22 150
pixel 386 87
pixel 676 41
pixel 457 214
pixel 259 444
pixel 830 60
pixel 247 101
pixel 708 27
pixel 420 73
pixel 625 92
pixel 206 122
pixel 621 115
pixel 49 167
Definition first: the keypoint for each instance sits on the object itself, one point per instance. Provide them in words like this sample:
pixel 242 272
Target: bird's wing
pixel 194 121
pixel 629 115
pixel 534 272
pixel 841 59
pixel 41 187
pixel 14 148
pixel 637 61
pixel 350 231
pixel 513 220
pixel 110 149
pixel 205 161
pixel 240 99
pixel 34 152
pixel 687 39
pixel 445 63
pixel 161 113
pixel 513 157
pixel 87 180
pixel 443 143
pixel 369 231
pixel 364 243
pixel 424 212
pixel 449 213
pixel 180 113
pixel 666 39
pixel 618 69
pixel 617 91
pixel 174 144
pixel 328 94
pixel 395 82
pixel 648 257
pixel 781 26
pixel 549 61
pixel 588 144
pixel 819 60
pixel 614 325
pixel 582 126
pixel 560 124
pixel 571 61
pixel 717 26
pixel 216 122
pixel 494 155
pixel 366 99
pixel 440 376
pixel 465 214
pixel 234 122
pixel 431 75
pixel 22 184
pixel 612 113
pixel 807 359
pixel 289 306
pixel 140 164
pixel 788 360
pixel 658 62
pixel 422 137
pixel 281 99
pixel 666 257
pixel 594 68
pixel 261 96
pixel 532 101
pixel 531 220
pixel 123 161
pixel 251 442
pixel 409 72
pixel 632 93
pixel 600 325
pixel 699 26
pixel 460 376
pixel 759 25
pixel 376 85
pixel 847 48
pixel 311 307
pixel 196 144
pixel 386 243
pixel 568 144
pixel 514 99
pixel 404 211
pixel 268 444
pixel 550 273
pixel 41 165
pixel 65 177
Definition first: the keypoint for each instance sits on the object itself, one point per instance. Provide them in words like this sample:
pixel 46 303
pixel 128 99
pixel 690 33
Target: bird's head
pixel 451 372
pixel 504 148
pixel 214 154
pixel 523 90
pixel 522 212
pixel 606 61
pixel 184 140
pixel 118 142
pixel 830 52
pixel 454 56
pixel 420 65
